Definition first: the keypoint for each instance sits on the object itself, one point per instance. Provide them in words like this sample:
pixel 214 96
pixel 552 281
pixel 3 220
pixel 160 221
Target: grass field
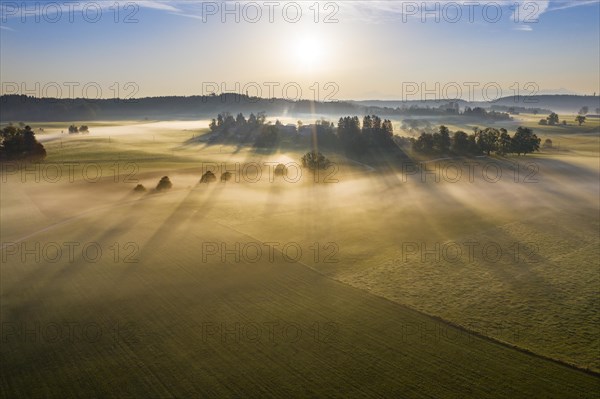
pixel 362 295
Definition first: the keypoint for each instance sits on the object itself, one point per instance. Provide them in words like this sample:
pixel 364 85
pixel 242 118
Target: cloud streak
pixel 523 12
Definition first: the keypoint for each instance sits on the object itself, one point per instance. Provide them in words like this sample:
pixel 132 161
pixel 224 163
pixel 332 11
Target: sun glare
pixel 309 53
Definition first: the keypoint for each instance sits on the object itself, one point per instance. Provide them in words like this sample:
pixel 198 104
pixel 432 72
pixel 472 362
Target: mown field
pixel 338 302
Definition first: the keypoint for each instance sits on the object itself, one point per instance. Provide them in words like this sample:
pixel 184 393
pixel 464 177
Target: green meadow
pixel 468 277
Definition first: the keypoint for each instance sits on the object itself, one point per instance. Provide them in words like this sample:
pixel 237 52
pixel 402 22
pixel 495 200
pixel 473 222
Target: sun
pixel 309 53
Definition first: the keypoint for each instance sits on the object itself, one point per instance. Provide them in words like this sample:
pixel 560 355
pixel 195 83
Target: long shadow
pixel 176 218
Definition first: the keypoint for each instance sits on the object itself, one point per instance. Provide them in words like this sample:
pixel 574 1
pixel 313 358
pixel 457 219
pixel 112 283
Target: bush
pixel 208 177
pixel 140 188
pixel 281 170
pixel 164 184
pixel 315 160
pixel 225 177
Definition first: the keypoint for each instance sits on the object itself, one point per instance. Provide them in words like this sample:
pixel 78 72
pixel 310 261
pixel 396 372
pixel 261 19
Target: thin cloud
pixel 387 10
pixel 524 28
pixel 158 5
pixel 572 4
pixel 521 11
pixel 525 12
pixel 13 10
pixel 530 11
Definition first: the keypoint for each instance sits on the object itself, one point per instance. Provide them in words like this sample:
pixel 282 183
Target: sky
pixel 323 50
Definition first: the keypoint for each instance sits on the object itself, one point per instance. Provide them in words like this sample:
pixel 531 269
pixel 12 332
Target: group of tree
pixel 268 136
pixel 441 143
pixel 226 128
pixel 226 121
pixel 553 118
pixel 321 133
pixel 358 137
pixel 374 133
pixel 20 143
pixel 485 141
pixel 81 129
pixel 314 160
pixel 256 130
pixel 351 135
pixel 482 113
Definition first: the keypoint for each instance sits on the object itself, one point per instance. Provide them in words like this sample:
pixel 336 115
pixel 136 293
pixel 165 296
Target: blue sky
pixel 356 49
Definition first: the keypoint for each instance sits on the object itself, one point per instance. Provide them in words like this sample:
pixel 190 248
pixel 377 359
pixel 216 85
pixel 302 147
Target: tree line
pixel 482 113
pixel 358 137
pixel 352 135
pixel 226 128
pixel 481 141
pixel 374 133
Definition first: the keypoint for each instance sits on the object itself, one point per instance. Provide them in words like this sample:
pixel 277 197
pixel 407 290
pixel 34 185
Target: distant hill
pixel 407 104
pixel 15 108
pixel 557 103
